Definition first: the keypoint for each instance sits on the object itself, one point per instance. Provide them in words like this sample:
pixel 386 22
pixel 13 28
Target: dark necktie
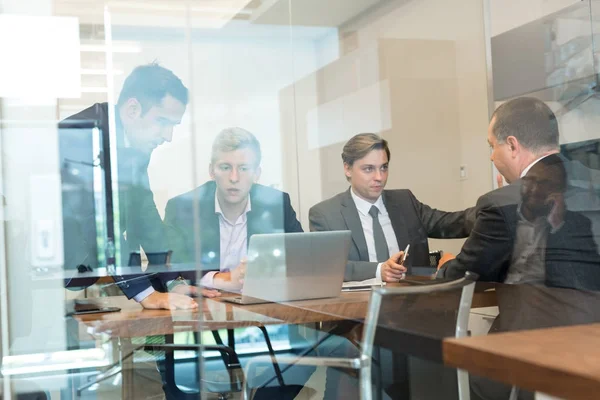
pixel 381 248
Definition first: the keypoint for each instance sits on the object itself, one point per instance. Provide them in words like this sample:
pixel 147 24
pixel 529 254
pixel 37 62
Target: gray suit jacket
pixel 413 223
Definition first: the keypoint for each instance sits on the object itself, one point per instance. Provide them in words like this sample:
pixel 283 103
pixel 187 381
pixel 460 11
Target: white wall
pixel 509 14
pixel 462 23
pixel 434 176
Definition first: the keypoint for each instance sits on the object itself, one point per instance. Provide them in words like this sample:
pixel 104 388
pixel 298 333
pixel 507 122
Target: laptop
pixel 294 266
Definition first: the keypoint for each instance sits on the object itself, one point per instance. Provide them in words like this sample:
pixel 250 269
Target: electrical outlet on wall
pixel 46 234
pixel 462 172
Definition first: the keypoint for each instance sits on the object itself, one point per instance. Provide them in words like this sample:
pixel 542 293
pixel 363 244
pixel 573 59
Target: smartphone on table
pixel 89 306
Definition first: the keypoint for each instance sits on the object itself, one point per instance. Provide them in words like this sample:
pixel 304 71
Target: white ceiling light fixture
pixel 92 71
pixel 115 48
pixel 54 361
pixel 40 57
pixel 94 89
pixel 170 6
pixel 205 13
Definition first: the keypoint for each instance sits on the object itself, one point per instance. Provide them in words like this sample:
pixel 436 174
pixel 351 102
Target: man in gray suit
pixel 382 221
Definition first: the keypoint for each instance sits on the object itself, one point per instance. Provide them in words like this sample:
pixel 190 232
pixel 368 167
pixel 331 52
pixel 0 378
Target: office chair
pixel 414 320
pixel 181 392
pixel 156 258
pixel 434 258
pixel 431 268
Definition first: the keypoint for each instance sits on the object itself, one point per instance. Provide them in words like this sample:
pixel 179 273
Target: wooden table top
pixel 134 321
pixel 562 361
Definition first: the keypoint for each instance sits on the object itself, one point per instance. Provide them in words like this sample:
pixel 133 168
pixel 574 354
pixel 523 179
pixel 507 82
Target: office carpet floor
pixel 147 386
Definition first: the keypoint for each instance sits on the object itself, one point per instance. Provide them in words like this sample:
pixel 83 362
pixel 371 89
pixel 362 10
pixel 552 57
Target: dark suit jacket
pixel 413 223
pixel 572 259
pixel 271 212
pixel 137 211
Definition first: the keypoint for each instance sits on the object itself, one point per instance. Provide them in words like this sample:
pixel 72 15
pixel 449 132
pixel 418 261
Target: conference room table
pixel 527 314
pixel 215 313
pixel 133 321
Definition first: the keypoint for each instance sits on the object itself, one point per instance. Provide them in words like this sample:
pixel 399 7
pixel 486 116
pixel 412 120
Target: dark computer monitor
pixel 86 193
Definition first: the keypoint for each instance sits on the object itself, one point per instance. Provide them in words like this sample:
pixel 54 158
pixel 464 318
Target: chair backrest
pixel 157 258
pixel 434 258
pixel 428 270
pixel 414 320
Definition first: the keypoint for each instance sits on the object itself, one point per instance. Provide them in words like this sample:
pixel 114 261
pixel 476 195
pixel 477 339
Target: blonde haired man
pixel 232 207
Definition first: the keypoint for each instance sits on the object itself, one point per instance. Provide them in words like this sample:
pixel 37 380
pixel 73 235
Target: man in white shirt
pixel 382 222
pixel 231 208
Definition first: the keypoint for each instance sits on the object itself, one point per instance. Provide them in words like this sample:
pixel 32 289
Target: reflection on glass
pixel 206 135
pixel 144 119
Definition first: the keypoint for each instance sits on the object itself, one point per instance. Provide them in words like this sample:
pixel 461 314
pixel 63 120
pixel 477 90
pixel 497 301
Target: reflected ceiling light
pixel 91 71
pixel 94 89
pixel 233 7
pixel 55 361
pixel 206 16
pixel 40 57
pixel 276 252
pixel 115 48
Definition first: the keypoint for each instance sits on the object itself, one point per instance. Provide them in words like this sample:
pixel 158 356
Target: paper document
pixel 366 282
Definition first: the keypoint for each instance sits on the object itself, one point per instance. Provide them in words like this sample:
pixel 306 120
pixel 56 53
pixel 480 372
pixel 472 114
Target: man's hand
pixel 238 274
pixel 210 293
pixel 445 258
pixel 192 291
pixel 557 214
pixel 168 301
pixel 232 280
pixel 499 181
pixel 391 271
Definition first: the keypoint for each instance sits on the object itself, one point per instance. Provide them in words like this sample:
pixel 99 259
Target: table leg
pixel 127 383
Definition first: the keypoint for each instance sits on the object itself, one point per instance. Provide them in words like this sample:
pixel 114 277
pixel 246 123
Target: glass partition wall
pixel 208 129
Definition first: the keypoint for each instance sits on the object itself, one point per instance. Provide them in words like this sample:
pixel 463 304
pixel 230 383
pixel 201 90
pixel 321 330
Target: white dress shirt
pixel 526 170
pixel 143 294
pixel 233 242
pixel 366 221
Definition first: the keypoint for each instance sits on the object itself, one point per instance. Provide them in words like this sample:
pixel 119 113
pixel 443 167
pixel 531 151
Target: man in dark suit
pixel 217 219
pixel 151 103
pixel 230 209
pixel 382 221
pixel 523 232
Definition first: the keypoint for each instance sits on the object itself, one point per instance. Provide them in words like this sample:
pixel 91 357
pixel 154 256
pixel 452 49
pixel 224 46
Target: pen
pixel 404 256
